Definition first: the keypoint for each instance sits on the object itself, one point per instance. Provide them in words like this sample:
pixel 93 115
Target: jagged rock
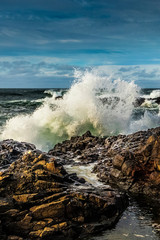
pixel 139 102
pixel 131 162
pixel 135 163
pixel 11 150
pixel 78 146
pixel 157 100
pixel 40 200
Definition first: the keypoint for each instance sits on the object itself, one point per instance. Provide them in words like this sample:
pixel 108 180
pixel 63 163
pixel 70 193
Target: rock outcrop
pixel 40 200
pixel 11 150
pixel 131 162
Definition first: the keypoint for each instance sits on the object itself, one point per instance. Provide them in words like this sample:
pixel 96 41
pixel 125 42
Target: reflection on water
pixel 136 223
pixel 141 220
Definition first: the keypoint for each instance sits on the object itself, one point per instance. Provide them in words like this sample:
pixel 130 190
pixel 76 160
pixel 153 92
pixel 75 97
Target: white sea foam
pixel 152 95
pixel 149 120
pixel 82 108
pixel 155 94
pixel 52 92
pixel 86 173
pixel 149 104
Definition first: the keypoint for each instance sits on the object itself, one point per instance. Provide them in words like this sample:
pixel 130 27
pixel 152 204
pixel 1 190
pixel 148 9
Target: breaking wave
pixel 152 95
pixel 94 102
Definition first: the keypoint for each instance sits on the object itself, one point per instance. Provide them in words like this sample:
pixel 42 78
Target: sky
pixel 43 41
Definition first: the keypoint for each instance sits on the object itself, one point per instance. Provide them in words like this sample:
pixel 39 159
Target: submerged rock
pixel 58 97
pixel 40 200
pixel 139 101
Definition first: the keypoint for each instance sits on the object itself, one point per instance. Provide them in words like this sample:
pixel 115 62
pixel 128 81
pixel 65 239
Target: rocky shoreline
pixel 39 199
pixel 131 163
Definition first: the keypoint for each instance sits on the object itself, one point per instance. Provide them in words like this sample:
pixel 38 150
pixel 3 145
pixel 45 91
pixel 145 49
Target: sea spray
pixel 148 120
pixel 155 94
pixel 152 94
pixel 94 102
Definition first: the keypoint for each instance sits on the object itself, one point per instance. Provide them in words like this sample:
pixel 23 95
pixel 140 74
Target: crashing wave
pixel 81 109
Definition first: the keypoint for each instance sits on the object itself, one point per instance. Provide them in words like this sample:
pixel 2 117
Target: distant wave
pixel 57 92
pixel 152 95
pixel 155 94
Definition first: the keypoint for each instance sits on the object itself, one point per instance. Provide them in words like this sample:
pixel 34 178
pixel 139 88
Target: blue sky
pixel 42 41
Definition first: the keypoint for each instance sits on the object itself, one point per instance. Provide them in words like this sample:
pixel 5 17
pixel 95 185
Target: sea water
pixel 94 102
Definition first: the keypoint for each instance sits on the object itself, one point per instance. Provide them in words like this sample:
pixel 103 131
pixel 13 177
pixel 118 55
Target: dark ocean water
pixel 14 102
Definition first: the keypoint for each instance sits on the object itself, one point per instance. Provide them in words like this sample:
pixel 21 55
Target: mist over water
pixel 94 102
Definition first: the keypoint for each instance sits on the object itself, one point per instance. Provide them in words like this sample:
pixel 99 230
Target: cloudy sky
pixel 43 41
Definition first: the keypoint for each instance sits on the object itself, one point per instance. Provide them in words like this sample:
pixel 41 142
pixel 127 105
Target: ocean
pixel 96 103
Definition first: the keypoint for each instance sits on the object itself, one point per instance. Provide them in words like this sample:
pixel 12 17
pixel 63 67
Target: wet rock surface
pixel 139 101
pixel 11 150
pixel 40 200
pixel 86 148
pixel 131 162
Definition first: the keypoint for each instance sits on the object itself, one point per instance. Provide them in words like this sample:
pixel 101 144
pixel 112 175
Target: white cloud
pixel 32 67
pixel 70 41
pixel 143 75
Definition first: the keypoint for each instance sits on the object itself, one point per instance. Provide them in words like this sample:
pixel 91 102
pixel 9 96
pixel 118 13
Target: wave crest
pixel 94 102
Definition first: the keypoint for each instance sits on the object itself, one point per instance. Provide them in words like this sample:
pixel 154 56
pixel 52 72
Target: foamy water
pixel 82 108
pixel 153 94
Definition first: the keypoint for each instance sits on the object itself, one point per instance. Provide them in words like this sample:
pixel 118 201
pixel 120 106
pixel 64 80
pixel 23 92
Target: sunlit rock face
pixel 131 162
pixel 40 200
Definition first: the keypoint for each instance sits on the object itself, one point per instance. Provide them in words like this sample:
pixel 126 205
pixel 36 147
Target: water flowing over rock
pixel 40 200
pixel 130 162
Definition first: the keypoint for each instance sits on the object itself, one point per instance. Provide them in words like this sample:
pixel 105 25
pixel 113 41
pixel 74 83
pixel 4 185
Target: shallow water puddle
pixel 134 224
